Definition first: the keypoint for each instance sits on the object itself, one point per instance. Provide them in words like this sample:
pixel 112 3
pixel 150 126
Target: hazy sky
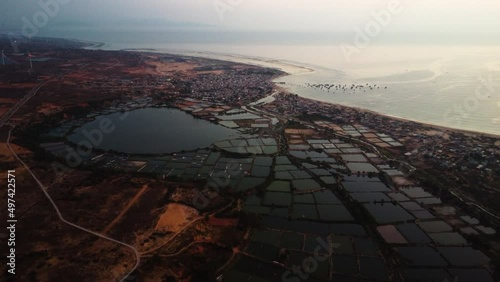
pixel 417 16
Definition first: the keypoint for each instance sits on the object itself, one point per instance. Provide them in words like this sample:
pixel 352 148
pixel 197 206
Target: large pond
pixel 150 131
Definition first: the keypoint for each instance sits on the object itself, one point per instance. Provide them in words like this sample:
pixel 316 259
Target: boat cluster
pixel 333 88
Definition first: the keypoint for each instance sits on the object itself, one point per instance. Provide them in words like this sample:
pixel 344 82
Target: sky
pixel 413 16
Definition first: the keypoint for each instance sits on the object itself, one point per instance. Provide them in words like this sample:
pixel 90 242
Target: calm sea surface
pixel 452 85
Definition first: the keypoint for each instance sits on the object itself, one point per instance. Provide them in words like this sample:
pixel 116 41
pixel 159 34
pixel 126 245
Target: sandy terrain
pixel 175 217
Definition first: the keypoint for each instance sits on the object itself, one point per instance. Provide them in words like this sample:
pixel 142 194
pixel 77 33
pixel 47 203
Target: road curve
pixel 44 190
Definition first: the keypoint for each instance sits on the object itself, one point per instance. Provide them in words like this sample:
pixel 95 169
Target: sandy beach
pixel 362 110
pixel 290 69
pixel 294 69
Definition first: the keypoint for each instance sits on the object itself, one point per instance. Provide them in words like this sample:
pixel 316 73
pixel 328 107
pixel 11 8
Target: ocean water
pixel 452 85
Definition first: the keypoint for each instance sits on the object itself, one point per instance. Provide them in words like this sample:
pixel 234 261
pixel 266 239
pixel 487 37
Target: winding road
pixel 56 208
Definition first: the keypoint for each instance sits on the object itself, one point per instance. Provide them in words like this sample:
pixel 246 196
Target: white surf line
pixel 44 190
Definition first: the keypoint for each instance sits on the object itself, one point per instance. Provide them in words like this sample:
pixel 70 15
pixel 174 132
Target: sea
pixel 449 84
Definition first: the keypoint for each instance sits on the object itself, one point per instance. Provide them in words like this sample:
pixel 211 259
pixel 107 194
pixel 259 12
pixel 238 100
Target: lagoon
pixel 151 131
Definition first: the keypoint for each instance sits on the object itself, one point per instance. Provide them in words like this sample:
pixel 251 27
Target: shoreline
pixel 425 124
pixel 433 126
pixel 359 109
pixel 233 58
pixel 362 110
pixel 271 63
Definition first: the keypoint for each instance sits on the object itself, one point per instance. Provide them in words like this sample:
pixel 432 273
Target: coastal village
pixel 307 191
